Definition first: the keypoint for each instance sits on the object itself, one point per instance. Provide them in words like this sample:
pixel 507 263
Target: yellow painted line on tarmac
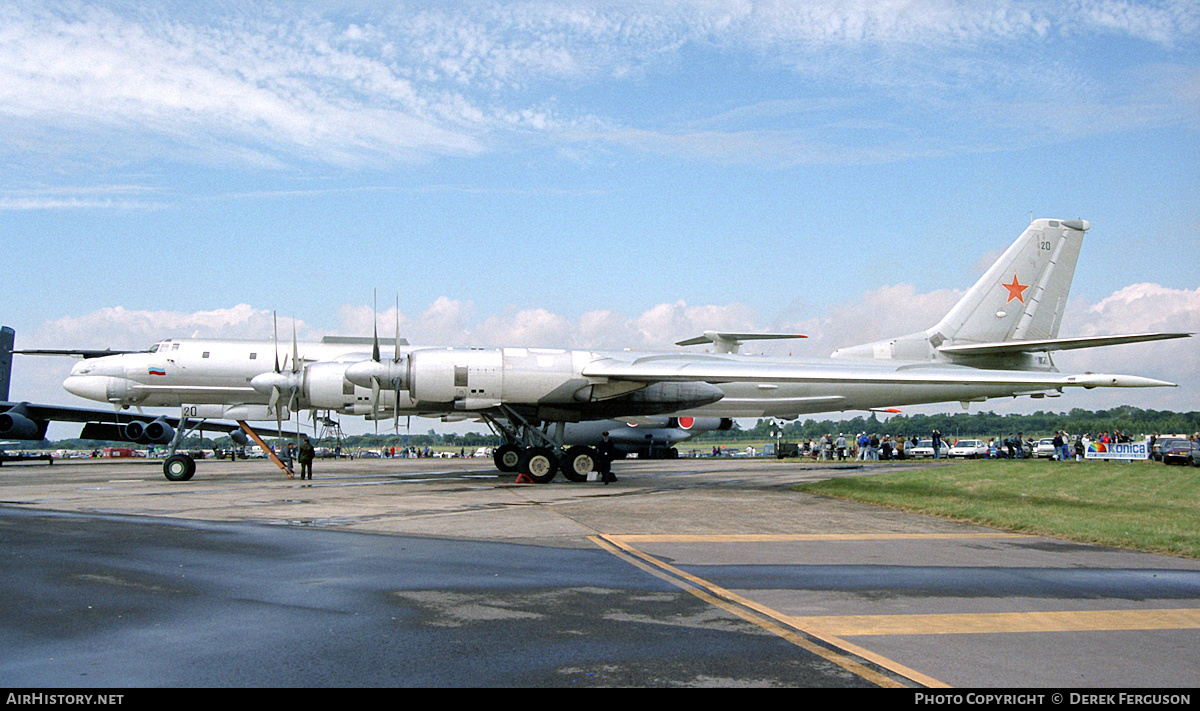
pixel 832 629
pixel 1002 622
pixel 802 537
pixel 765 618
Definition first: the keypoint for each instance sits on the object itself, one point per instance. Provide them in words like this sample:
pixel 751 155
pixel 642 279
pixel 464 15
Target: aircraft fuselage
pixel 554 382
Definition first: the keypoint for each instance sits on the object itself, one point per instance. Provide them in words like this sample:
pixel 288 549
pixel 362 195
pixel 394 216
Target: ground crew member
pixel 605 453
pixel 307 454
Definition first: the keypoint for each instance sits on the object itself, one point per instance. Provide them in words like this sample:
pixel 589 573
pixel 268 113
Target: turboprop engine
pixel 549 379
pixel 327 387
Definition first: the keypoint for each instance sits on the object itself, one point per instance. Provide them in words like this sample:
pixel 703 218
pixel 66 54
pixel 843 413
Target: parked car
pixel 924 449
pixel 1162 443
pixel 969 449
pixel 1181 451
pixel 1045 448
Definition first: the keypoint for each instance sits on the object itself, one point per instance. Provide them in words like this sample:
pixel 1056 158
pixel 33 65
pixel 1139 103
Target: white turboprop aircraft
pixel 995 342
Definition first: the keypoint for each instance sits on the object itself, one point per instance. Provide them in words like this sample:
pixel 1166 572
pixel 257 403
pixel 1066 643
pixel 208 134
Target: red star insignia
pixel 1016 290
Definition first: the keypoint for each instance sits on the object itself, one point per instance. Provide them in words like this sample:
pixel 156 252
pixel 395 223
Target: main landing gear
pixel 538 453
pixel 541 463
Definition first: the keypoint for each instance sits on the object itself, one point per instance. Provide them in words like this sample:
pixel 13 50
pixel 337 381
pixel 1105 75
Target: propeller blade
pixel 375 403
pixel 396 381
pixel 295 349
pixel 375 326
pixel 396 343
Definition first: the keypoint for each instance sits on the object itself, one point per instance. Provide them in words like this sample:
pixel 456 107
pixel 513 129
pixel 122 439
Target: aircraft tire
pixel 578 462
pixel 540 464
pixel 507 458
pixel 179 467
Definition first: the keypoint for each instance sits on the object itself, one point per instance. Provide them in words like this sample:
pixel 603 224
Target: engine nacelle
pixel 134 431
pixel 551 380
pixel 478 378
pixel 660 398
pixel 464 376
pixel 159 431
pixel 326 387
pixel 15 423
pixel 385 374
pixel 156 432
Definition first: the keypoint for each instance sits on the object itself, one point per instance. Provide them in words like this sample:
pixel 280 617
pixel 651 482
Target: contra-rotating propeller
pixel 279 382
pixel 375 372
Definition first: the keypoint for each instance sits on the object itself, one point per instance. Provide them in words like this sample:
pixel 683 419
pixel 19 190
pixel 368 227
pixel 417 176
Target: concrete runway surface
pixel 441 572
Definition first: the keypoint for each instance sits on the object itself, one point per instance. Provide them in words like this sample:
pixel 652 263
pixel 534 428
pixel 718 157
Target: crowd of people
pixel 875 447
pixel 864 447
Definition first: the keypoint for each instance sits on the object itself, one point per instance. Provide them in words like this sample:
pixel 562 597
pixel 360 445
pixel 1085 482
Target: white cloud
pixel 119 328
pixel 890 310
pixel 1140 308
pixel 258 86
pixel 246 90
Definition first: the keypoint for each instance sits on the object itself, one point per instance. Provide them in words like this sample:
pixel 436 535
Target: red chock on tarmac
pixel 524 479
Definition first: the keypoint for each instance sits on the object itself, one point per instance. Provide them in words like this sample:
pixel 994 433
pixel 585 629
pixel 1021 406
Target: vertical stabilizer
pixel 1024 294
pixel 1022 297
pixel 7 335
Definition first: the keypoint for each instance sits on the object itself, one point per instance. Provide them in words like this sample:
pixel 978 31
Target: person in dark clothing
pixel 605 453
pixel 306 456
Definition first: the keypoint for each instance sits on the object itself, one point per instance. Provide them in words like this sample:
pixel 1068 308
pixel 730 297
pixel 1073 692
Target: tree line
pixel 1127 419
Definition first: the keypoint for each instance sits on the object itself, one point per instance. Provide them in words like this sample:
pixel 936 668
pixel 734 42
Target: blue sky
pixel 591 174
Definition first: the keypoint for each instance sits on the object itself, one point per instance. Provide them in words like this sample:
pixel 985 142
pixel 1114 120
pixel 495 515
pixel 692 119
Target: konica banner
pixel 1123 450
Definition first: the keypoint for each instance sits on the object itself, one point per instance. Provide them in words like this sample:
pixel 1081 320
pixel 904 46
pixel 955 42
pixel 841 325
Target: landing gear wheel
pixel 507 458
pixel 179 467
pixel 578 462
pixel 540 464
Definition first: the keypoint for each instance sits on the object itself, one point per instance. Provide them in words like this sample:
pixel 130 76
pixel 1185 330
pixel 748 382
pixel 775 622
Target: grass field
pixel 1141 505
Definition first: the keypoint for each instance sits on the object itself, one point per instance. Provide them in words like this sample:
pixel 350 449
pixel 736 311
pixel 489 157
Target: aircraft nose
pixel 89 387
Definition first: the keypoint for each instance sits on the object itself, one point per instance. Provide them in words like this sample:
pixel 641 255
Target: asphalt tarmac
pixel 440 572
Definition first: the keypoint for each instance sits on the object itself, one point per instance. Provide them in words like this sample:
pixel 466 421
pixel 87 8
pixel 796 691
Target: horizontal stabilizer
pixel 730 342
pixel 364 341
pixel 1055 344
pixel 75 352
